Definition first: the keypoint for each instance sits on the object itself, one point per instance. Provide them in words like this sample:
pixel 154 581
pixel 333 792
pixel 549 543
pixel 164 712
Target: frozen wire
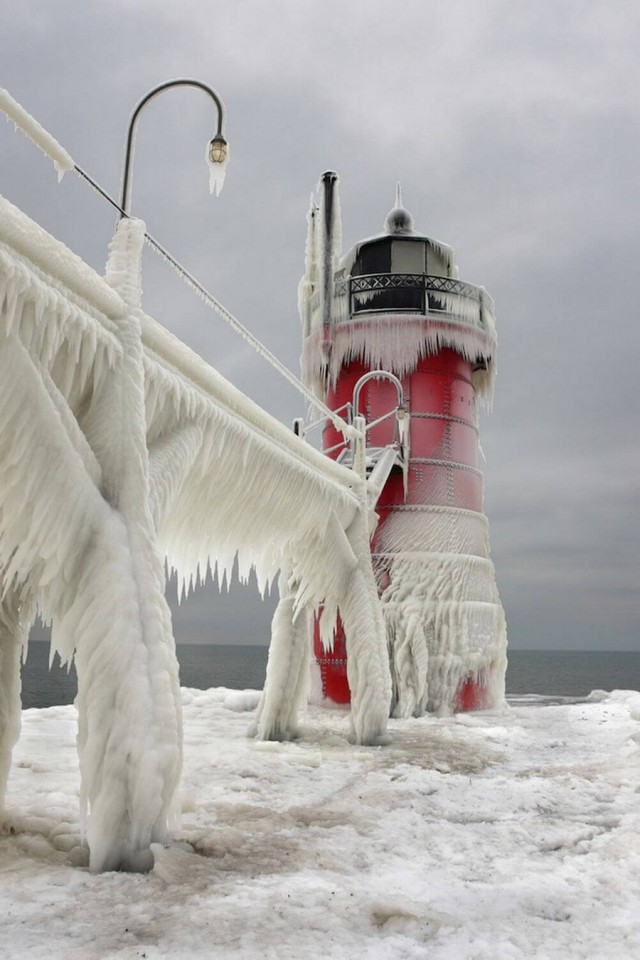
pixel 233 322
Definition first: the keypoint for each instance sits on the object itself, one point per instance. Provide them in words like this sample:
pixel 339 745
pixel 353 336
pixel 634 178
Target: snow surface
pixel 502 836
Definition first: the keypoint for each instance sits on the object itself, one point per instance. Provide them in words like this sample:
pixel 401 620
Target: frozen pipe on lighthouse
pixel 394 302
pixel 328 230
pixel 325 242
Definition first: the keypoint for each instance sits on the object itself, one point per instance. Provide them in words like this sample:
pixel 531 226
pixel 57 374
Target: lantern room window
pixel 388 276
pixel 373 258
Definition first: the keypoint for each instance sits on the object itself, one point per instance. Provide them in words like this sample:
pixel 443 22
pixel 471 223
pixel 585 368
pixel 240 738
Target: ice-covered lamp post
pixel 217 148
pixel 394 303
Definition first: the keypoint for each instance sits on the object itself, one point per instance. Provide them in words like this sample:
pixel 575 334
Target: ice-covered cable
pixel 63 162
pixel 252 340
pixel 235 324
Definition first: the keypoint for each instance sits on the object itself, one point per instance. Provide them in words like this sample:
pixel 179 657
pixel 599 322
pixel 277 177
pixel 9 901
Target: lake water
pixel 542 672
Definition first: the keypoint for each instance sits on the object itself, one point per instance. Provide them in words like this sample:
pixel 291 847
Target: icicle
pixel 217 172
pixel 444 619
pixel 309 280
pixel 380 341
pixel 286 682
pixel 311 248
pixel 14 629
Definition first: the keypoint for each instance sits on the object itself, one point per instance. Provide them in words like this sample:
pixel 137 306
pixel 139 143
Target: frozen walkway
pixel 513 835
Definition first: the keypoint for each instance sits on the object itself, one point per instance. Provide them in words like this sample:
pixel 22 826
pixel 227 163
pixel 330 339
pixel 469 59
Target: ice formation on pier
pixel 120 447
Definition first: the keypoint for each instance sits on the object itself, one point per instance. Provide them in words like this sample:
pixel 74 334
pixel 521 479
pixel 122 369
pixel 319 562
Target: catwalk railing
pixel 416 293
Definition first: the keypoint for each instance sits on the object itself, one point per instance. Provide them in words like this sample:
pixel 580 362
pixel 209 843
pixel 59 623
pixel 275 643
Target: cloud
pixel 514 130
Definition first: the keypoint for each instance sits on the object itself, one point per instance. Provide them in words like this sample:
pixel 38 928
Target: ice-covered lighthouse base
pixel 445 623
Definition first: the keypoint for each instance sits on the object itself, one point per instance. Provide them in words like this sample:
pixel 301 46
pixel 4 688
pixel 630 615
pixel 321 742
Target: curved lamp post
pixel 216 149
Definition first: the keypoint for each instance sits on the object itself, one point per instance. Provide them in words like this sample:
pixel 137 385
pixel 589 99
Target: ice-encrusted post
pixel 130 736
pixel 366 640
pixel 355 594
pixel 331 242
pixel 287 679
pixel 13 635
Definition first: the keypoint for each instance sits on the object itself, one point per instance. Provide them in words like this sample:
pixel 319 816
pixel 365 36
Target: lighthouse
pixel 392 334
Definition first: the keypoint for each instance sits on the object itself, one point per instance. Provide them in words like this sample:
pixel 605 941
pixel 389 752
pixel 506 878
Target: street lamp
pixel 217 149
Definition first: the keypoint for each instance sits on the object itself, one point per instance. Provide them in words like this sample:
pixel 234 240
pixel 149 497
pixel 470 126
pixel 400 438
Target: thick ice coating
pixel 32 129
pixel 120 447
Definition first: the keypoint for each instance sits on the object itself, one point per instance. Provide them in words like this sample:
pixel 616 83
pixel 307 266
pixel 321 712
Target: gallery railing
pixel 416 293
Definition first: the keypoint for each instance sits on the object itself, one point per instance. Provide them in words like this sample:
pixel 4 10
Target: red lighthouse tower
pixel 394 304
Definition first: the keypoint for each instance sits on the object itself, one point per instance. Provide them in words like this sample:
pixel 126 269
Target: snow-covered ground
pixel 504 835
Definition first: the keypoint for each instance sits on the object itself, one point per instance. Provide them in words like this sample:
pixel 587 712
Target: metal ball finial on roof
pixel 399 221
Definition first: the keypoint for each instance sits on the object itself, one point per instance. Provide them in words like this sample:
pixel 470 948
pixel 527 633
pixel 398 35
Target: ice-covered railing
pixel 36 133
pixel 119 446
pixel 459 301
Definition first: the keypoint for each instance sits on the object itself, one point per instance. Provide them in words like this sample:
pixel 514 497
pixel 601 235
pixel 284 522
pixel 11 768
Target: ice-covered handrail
pixel 37 134
pixel 166 346
pixel 21 234
pixel 27 238
pixel 338 422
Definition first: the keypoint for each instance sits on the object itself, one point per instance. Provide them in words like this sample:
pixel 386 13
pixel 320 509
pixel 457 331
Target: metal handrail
pixel 385 416
pixel 386 281
pixel 358 444
pixel 377 375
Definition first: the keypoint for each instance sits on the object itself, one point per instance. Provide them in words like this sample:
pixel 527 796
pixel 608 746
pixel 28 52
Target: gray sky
pixel 514 129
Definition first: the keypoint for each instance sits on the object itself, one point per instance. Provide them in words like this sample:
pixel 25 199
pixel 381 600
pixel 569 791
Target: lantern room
pixel 403 271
